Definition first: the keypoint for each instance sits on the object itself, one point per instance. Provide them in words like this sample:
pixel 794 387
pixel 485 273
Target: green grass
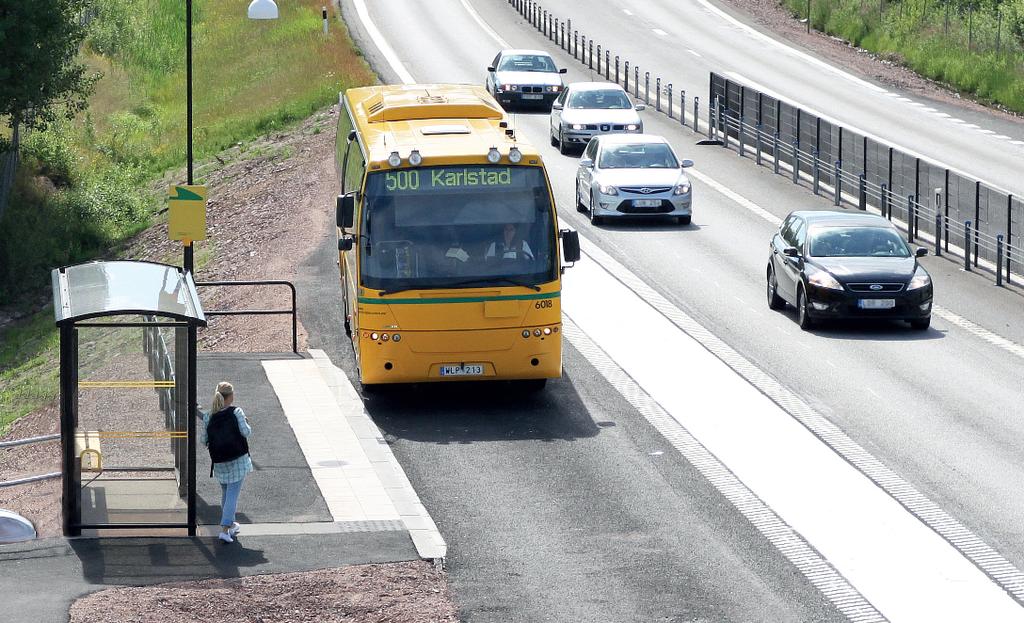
pixel 977 54
pixel 28 367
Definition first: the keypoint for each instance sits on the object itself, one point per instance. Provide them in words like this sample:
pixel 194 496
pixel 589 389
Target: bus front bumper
pixel 501 354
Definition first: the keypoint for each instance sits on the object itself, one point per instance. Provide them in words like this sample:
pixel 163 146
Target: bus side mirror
pixel 351 135
pixel 345 244
pixel 346 210
pixel 570 245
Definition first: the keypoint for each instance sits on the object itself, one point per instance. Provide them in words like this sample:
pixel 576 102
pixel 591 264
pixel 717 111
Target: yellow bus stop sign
pixel 186 213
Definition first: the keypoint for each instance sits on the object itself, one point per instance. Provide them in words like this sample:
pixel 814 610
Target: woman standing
pixel 225 430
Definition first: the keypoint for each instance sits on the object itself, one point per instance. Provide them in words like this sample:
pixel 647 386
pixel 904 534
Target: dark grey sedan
pixel 834 265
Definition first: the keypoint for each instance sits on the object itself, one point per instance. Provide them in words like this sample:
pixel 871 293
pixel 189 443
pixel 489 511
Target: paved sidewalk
pixel 327 492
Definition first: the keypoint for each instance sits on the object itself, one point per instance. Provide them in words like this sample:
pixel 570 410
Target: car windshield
pixel 451 226
pixel 527 62
pixel 857 242
pixel 638 156
pixel 608 99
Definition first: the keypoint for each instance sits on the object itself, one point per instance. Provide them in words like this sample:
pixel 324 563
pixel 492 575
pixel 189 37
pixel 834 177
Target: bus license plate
pixel 877 303
pixel 646 203
pixel 532 96
pixel 466 369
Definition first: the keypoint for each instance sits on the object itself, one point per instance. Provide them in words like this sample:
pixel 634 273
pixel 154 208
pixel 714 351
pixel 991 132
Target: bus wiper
pixel 395 291
pixel 491 280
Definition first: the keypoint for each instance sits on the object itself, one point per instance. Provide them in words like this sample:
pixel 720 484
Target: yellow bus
pixel 448 239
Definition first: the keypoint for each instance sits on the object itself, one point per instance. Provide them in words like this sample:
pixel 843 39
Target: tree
pixel 40 76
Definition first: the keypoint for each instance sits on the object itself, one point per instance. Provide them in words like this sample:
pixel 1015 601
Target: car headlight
pixel 607 190
pixel 632 127
pixel 824 280
pixel 576 126
pixel 682 189
pixel 508 87
pixel 554 89
pixel 920 279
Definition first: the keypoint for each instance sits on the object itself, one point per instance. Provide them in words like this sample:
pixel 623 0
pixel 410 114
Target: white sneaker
pixel 234 529
pixel 226 537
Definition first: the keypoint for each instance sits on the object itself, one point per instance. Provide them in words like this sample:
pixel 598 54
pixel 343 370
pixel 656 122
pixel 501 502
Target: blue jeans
pixel 229 501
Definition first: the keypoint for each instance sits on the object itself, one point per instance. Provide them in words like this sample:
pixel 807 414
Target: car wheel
pixel 554 141
pixel 579 200
pixel 774 300
pixel 684 220
pixel 803 318
pixel 562 147
pixel 921 324
pixel 594 219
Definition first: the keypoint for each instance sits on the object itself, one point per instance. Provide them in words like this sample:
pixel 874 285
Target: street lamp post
pixel 258 9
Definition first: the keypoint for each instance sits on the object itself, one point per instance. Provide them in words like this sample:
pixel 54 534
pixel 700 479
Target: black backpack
pixel 224 440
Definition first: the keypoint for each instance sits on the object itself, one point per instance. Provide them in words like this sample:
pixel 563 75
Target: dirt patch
pixel 346 595
pixel 772 16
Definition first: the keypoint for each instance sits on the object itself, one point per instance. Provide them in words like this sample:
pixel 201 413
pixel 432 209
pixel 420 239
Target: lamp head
pixel 263 9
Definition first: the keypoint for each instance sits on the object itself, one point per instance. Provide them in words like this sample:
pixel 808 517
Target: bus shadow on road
pixel 453 413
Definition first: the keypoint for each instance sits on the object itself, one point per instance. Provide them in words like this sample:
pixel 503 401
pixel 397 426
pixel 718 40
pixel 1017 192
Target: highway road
pixel 703 459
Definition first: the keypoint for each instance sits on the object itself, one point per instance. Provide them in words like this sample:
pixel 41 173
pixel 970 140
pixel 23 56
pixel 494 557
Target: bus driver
pixel 510 247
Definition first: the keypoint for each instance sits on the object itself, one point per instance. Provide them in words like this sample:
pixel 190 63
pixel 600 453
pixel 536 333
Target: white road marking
pixel 382 43
pixel 483 25
pixel 695 53
pixel 768 91
pixel 986 131
pixel 1002 136
pixel 1017 142
pixel 973 126
pixel 981 332
pixel 659 32
pixel 874 392
pixel 943 115
pixel 627 11
pixel 956 120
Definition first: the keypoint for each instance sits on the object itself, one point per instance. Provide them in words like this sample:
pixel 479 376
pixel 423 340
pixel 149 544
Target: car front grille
pixel 530 89
pixel 645 190
pixel 875 288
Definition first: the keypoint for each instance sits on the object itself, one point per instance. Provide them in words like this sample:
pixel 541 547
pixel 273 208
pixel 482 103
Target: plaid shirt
pixel 236 469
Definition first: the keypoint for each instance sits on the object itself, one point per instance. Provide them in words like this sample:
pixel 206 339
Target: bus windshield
pixel 457 226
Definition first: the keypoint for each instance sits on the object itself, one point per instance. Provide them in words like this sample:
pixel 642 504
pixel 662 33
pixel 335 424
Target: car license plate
pixel 877 303
pixel 533 96
pixel 646 203
pixel 466 369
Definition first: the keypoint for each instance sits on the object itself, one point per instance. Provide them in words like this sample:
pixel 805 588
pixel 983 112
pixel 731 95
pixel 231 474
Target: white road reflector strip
pixel 659 32
pixel 844 502
pixel 695 53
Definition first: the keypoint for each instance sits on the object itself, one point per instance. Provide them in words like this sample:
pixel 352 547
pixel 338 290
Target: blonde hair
pixel 224 389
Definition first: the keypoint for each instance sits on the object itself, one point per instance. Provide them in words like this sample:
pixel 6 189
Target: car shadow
pixel 870 330
pixel 625 223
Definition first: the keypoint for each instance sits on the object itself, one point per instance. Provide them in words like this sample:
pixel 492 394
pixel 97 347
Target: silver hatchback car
pixel 633 175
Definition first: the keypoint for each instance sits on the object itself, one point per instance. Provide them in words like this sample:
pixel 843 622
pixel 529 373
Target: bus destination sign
pixel 450 178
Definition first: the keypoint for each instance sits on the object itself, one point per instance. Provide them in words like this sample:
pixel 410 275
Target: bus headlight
pixel 526 333
pixel 415 159
pixel 514 155
pixel 547 330
pixel 394 159
pixel 493 155
pixel 396 338
pixel 374 336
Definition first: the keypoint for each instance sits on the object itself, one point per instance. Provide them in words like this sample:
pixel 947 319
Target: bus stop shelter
pixel 127 397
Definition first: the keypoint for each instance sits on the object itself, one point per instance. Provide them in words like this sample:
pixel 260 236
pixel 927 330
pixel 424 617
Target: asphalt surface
pixel 500 473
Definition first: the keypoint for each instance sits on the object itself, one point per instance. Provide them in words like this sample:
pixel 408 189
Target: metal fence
pixel 965 216
pixel 954 213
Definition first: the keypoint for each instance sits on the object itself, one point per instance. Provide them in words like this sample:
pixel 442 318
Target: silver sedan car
pixel 588 109
pixel 633 175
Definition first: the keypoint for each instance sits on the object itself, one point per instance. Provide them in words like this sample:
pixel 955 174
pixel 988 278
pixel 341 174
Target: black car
pixel 847 265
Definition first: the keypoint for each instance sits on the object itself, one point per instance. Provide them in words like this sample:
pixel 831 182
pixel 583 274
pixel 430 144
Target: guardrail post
pixel 657 97
pixel 938 222
pixel 862 192
pixel 967 245
pixel 599 59
pixel 682 107
pixel 607 65
pixel 911 214
pixel 837 183
pixel 590 53
pixel 757 133
pixel 616 69
pixel 669 98
pixel 885 206
pixel 816 173
pixel 625 84
pixel 999 259
pixel 576 44
pixel 796 161
pixel 636 82
pixel 696 115
pixel 647 88
pixel 775 152
pixel 544 23
pixel 739 137
pixel 565 34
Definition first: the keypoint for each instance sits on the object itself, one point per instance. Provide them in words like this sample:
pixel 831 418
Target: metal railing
pixel 259 312
pixel 970 218
pixel 4 445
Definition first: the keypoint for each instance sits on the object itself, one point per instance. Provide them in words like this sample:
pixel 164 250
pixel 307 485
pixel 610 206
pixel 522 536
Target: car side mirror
pixel 556 106
pixel 686 163
pixel 640 107
pixel 570 245
pixel 586 163
pixel 921 252
pixel 346 210
pixel 490 69
pixel 791 252
pixel 345 244
pixel 562 70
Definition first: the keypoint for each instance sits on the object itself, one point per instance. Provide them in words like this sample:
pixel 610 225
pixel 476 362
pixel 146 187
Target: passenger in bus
pixel 449 256
pixel 510 247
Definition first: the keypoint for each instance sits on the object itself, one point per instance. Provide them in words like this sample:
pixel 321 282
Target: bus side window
pixel 351 172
